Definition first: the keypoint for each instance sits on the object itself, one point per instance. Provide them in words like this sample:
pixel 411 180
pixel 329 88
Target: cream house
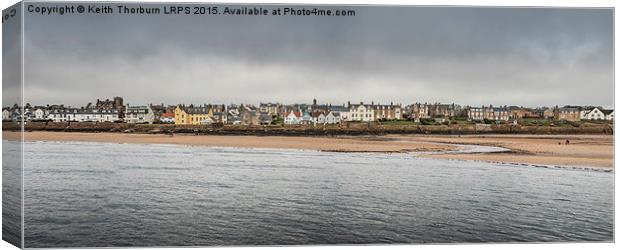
pixel 387 112
pixel 139 114
pixel 361 112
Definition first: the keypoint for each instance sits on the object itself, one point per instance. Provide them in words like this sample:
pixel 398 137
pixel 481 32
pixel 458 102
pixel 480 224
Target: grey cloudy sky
pixel 473 56
pixel 11 63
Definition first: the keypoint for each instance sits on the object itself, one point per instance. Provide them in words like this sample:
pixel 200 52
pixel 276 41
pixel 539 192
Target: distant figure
pixel 559 143
pixel 567 142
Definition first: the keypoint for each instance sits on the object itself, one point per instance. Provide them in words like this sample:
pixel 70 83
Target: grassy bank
pixel 310 130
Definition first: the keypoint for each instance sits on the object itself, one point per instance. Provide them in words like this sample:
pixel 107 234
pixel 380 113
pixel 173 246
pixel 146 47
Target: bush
pixel 427 121
pixel 278 120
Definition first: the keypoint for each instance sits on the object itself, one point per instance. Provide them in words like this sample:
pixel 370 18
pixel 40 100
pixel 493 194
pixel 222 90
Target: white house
pixel 57 115
pixel 361 112
pixel 292 118
pixel 332 118
pixel 320 119
pixel 97 115
pixel 83 115
pixel 139 114
pixel 40 114
pixel 595 114
pixel 6 115
pixel 105 115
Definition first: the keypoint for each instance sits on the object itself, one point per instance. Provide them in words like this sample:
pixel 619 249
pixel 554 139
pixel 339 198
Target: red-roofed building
pixel 292 118
pixel 167 117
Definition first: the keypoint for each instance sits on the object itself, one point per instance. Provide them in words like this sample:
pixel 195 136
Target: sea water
pixel 106 194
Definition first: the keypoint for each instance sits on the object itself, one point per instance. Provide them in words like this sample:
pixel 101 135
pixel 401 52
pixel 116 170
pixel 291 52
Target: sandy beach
pixel 583 150
pixel 340 144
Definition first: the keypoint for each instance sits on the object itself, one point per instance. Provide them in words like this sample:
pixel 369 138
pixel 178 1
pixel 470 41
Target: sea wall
pixel 300 130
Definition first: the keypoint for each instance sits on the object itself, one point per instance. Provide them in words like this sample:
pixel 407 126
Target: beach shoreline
pixel 595 151
pixel 356 144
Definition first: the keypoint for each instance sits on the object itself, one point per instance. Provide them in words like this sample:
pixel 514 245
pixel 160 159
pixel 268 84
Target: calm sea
pixel 103 194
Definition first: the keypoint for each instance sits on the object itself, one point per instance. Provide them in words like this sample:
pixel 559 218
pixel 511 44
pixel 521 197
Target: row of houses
pixel 133 114
pixel 269 113
pixel 419 111
pixel 345 112
pixel 577 113
pixel 567 113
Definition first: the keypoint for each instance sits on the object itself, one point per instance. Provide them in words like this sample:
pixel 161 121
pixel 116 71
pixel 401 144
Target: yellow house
pixel 180 116
pixel 192 115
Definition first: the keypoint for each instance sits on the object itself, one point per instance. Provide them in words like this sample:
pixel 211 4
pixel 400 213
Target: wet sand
pixel 583 150
pixel 552 150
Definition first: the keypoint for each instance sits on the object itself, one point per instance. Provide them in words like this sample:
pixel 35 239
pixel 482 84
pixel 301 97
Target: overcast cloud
pixel 470 56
